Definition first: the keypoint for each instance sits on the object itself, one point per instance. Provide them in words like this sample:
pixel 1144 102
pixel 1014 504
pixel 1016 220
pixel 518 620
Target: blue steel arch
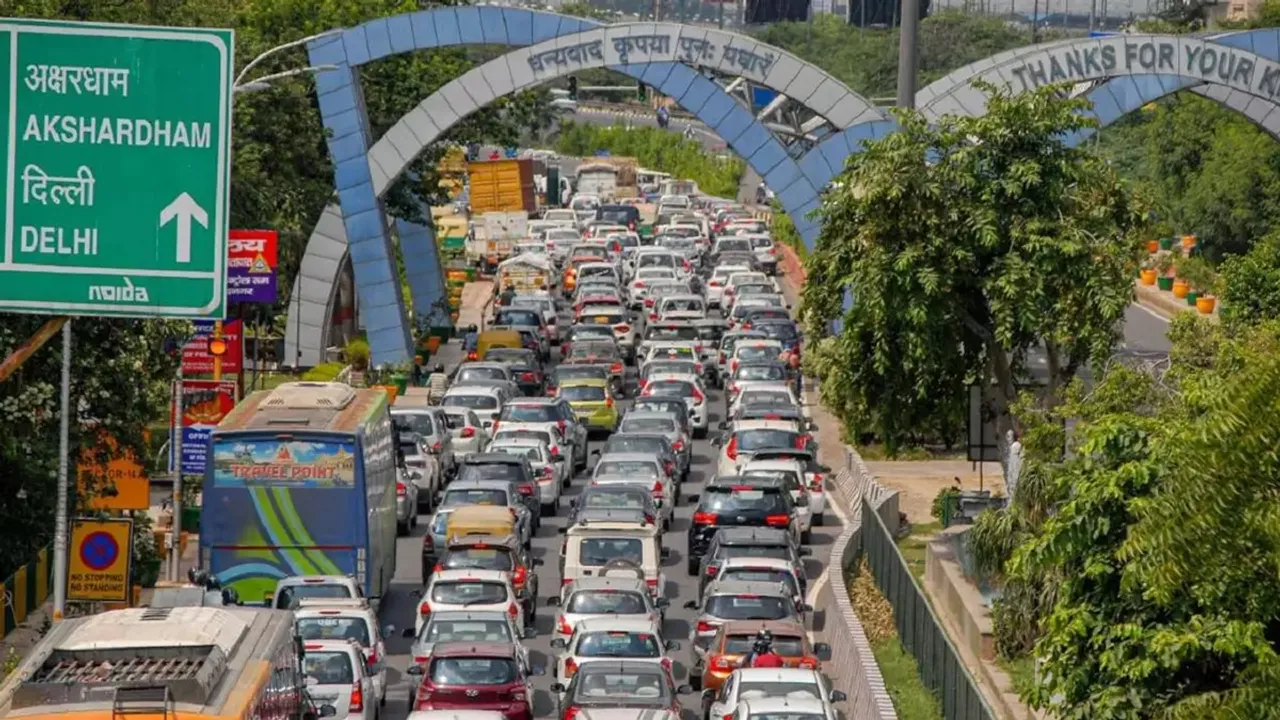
pixel 357 227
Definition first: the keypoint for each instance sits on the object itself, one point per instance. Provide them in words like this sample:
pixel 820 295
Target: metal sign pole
pixel 61 526
pixel 175 466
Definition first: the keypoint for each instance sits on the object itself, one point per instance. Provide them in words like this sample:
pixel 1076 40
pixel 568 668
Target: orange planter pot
pixel 433 343
pixel 1188 241
pixel 1181 288
pixel 1147 277
pixel 1206 305
pixel 1153 246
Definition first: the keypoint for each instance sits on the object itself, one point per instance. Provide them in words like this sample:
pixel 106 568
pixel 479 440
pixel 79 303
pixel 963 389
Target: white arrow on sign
pixel 184 209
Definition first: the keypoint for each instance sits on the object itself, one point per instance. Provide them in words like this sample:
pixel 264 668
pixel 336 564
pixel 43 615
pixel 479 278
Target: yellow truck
pixel 502 186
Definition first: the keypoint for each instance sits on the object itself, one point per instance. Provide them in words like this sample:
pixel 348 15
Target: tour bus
pixel 180 663
pixel 301 480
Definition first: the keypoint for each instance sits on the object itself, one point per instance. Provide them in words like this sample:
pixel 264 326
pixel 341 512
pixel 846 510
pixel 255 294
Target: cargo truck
pixel 502 186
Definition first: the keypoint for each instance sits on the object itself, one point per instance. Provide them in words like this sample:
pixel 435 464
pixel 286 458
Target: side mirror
pixel 692 498
pixel 684 690
pixel 415 475
pixel 529 633
pixel 823 651
pixel 690 605
pixel 717 441
pixel 672 645
pixel 538 562
pixel 595 452
pixel 559 643
pixel 415 670
pixel 557 687
pixel 666 553
pixel 407 633
pixel 838 696
pixel 388 630
pixel 805 552
pixel 416 592
pixel 722 425
pixel 805 607
pixel 553 601
pixel 661 603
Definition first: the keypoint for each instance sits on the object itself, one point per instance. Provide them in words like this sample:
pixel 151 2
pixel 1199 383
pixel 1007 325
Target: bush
pixel 326 372
pixel 656 149
pixel 357 354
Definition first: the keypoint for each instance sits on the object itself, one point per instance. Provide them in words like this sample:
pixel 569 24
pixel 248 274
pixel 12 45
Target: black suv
pixel 735 501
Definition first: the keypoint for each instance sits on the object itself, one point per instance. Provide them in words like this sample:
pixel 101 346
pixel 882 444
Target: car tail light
pixel 809 663
pixel 705 518
pixel 526 488
pixel 424 609
pixel 714 283
pixel 648 302
pixel 436 446
pixel 657 489
pixel 545 472
pixel 801 441
pixel 733 387
pixel 733 366
pixel 727 717
pixel 622 328
pixel 777 520
pixel 357 698
pixel 642 383
pixel 731 450
pixel 519 576
pixel 513 610
pixel 816 484
pixel 555 451
pixel 720 662
pixel 712 570
pixel 468 432
pixel 746 325
pixel 669 467
pixel 677 445
pixel 723 359
pixel 638 284
pixel 373 656
pixel 420 659
pixel 472 356
pixel 529 377
pixel 427 542
pixel 495 426
pixel 697 394
pixel 571 712
pixel 704 626
pixel 653 585
pixel 653 316
pixel 608 402
pixel 401 490
pixel 439 567
pixel 615 368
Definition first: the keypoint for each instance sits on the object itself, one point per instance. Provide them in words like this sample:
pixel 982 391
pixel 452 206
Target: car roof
pixel 470 649
pixel 629 457
pixel 608 583
pixel 753 536
pixel 744 425
pixel 743 587
pixel 743 627
pixel 621 623
pixel 648 414
pixel 452 575
pixel 584 382
pixel 332 645
pixel 490 459
pixel 626 666
pixel 509 541
pixel 803 703
pixel 781 675
pixel 758 562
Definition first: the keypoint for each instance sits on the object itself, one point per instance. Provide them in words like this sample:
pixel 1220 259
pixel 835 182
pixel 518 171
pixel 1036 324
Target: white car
pixel 751 436
pixel 620 598
pixel 747 376
pixel 761 683
pixel 688 387
pixel 719 280
pixel 470 589
pixel 323 619
pixel 795 472
pixel 669 350
pixel 778 394
pixel 421 468
pixel 469 434
pixel 754 350
pixel 671 308
pixel 638 290
pixel 610 638
pixel 485 401
pixel 761 569
pixel 294 589
pixel 549 472
pixel 336 675
pixel 639 469
pixel 792 708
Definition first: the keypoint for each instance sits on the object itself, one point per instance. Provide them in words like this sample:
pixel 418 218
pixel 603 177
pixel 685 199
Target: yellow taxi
pixel 592 401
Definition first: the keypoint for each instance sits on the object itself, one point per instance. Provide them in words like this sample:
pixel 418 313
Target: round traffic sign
pixel 99 551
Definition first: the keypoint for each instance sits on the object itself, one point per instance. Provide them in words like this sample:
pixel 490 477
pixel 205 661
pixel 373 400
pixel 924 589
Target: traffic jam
pixel 612 510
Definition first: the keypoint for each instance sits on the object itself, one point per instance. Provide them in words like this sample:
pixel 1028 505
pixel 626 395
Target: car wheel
pixel 819 519
pixel 695 679
pixel 806 536
pixel 699 433
pixel 402 528
pixel 691 566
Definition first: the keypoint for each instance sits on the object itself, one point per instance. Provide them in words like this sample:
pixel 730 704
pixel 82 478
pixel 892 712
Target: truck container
pixel 502 186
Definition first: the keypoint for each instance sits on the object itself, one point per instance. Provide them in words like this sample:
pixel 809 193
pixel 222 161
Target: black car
pixel 735 501
pixel 612 685
pixel 514 468
pixel 760 542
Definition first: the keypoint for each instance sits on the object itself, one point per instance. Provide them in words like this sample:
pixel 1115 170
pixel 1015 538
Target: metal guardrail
pixel 25 590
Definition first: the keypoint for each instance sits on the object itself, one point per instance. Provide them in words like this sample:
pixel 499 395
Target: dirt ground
pixel 919 482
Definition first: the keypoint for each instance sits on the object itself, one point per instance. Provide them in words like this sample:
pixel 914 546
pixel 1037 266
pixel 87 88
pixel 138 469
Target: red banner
pixel 204 404
pixel 196 359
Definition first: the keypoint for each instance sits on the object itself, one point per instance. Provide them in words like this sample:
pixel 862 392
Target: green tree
pixel 656 150
pixel 950 253
pixel 1251 284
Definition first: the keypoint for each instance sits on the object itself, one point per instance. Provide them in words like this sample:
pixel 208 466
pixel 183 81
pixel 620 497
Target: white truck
pixel 494 236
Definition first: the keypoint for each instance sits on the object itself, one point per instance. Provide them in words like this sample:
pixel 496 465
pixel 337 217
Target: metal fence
pixel 25 590
pixel 919 629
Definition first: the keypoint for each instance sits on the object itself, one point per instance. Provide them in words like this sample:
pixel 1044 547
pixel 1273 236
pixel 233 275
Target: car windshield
pixel 606 602
pixel 328 668
pixel 761 243
pixel 750 440
pixel 444 631
pixel 334 628
pixel 734 245
pixel 618 645
pixel 780 552
pixel 777 689
pixel 468 592
pixel 533 452
pixel 602 317
pixel 529 413
pixel 762 575
pixel 473 671
pixel 656 260
pixel 765 397
pixel 409 447
pixel 749 607
pixel 758 353
pixel 491 471
pixel 654 273
pixel 785 332
pixel 652 445
pixel 657 425
pixel 596 551
pixel 682 305
pixel 293 593
pixel 474 402
pixel 672 352
pixel 788 476
pixel 459 498
pixel 420 423
pixel 518 317
pixel 542 436
pixel 597 270
pixel 587 332
pixel 760 372
pixel 785 645
pixel 613 500
pixel 671 387
pixel 480 558
pixel 609 688
pixel 639 469
pixel 788 716
pixel 473 374
pixel 583 393
pixel 670 333
pixel 731 500
pixel 661 406
pixel 456 420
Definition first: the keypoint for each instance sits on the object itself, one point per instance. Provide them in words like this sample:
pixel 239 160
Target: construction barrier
pixel 25 590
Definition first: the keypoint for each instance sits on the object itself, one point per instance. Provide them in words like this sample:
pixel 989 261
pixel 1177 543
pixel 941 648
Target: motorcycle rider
pixel 762 654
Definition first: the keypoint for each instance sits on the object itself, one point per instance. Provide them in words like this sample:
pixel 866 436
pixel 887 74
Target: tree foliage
pixel 658 150
pixel 950 252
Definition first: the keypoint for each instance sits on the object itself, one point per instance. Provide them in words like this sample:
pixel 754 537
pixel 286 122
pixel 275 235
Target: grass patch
pixel 913 547
pixel 1022 671
pixel 911 698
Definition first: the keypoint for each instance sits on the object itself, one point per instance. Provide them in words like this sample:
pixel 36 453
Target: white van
pixel 611 548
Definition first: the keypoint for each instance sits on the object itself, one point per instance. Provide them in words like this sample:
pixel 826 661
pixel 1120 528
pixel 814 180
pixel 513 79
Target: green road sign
pixel 118 144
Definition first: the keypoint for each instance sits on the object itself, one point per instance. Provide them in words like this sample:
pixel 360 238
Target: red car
pixel 474 676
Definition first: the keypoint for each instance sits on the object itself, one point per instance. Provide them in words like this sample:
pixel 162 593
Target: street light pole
pixel 61 521
pixel 263 82
pixel 280 48
pixel 908 34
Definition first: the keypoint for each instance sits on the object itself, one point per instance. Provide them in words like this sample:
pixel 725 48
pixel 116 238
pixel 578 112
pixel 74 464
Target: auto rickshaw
pixel 480 520
pixel 490 339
